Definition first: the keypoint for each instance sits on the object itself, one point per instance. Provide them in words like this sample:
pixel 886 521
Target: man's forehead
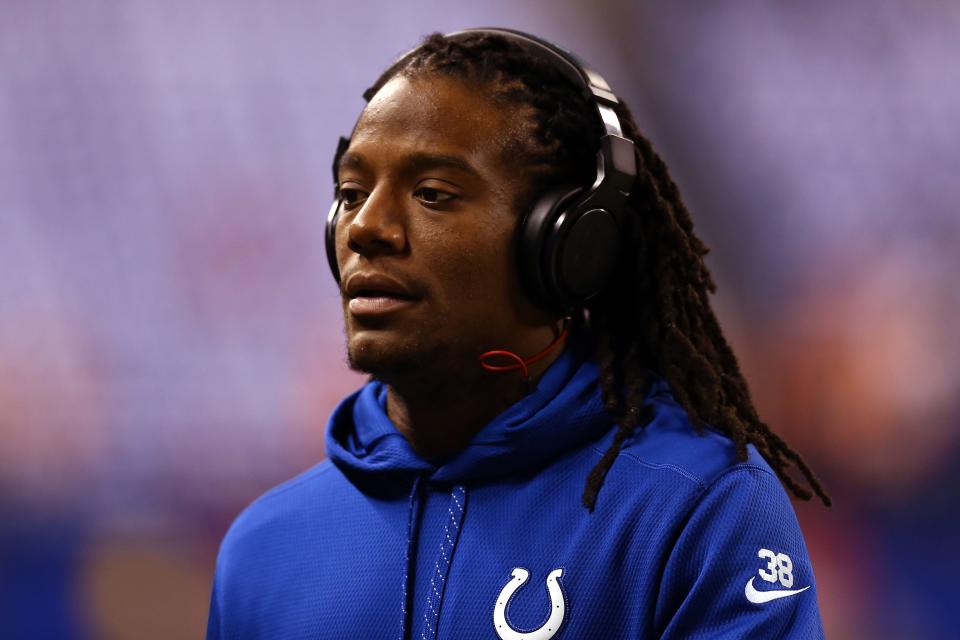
pixel 399 100
pixel 444 108
pixel 439 122
pixel 415 160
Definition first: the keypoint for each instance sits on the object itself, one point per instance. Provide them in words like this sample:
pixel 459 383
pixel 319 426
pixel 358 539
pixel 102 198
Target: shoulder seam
pixel 321 467
pixel 742 466
pixel 670 467
pixel 701 485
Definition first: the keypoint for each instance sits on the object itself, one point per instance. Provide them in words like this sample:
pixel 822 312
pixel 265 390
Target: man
pixel 552 404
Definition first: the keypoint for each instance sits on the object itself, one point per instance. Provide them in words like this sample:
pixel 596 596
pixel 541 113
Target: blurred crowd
pixel 171 341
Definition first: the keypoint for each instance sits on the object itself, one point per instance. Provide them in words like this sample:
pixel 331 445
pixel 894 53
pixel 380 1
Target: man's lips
pixel 377 305
pixel 374 294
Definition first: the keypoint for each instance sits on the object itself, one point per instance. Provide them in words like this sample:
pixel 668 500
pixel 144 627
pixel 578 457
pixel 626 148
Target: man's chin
pixel 380 366
pixel 387 362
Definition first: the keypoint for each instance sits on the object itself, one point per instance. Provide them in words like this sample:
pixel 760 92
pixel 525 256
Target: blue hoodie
pixel 376 542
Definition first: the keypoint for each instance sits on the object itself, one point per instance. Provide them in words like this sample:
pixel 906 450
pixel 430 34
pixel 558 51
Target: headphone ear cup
pixel 583 249
pixel 330 235
pixel 568 249
pixel 535 234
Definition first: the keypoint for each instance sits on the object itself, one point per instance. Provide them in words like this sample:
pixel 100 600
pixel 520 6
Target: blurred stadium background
pixel 170 337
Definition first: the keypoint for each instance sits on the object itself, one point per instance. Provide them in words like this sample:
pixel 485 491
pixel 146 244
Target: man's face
pixel 425 240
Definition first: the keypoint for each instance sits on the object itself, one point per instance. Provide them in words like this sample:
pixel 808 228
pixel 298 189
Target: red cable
pixel 521 363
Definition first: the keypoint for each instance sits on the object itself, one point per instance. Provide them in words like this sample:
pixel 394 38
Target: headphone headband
pixel 592 85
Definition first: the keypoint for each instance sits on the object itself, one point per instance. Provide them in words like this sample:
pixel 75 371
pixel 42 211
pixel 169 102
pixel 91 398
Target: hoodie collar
pixel 563 411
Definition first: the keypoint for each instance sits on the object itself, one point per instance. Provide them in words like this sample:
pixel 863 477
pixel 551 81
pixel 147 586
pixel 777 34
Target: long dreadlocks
pixel 656 317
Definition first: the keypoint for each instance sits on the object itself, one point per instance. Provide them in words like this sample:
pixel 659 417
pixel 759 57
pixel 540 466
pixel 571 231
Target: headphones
pixel 571 239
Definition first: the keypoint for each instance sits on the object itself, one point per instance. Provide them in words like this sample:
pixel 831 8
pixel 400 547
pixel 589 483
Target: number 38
pixel 779 567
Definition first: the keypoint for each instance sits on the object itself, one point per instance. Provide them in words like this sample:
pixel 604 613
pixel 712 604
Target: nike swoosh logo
pixel 759 597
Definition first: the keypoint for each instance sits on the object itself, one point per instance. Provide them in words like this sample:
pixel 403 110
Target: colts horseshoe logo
pixel 557 608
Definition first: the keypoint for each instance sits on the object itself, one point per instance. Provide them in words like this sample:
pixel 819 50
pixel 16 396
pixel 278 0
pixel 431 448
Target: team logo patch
pixel 557 607
pixel 779 569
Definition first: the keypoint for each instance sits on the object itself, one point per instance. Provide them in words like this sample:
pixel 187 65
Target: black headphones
pixel 571 239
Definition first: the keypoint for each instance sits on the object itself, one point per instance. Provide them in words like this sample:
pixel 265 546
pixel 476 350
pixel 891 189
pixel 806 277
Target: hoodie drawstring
pixel 413 508
pixel 451 532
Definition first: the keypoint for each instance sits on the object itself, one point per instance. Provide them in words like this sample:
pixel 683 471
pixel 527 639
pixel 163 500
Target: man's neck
pixel 439 417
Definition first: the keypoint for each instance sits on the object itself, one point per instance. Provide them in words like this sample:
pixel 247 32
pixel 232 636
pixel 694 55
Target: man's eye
pixel 351 197
pixel 432 196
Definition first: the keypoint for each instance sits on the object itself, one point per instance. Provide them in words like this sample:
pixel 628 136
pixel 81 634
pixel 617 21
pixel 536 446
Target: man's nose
pixel 378 226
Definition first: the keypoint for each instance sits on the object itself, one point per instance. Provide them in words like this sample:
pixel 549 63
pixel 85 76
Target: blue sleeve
pixel 213 620
pixel 740 568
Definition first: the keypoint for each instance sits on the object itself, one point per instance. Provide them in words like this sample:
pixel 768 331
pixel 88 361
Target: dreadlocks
pixel 656 316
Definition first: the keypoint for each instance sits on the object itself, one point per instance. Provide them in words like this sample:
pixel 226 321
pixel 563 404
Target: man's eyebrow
pixel 422 161
pixel 416 162
pixel 350 160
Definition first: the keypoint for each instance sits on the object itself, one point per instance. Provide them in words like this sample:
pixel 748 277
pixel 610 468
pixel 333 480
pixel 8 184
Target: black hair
pixel 656 317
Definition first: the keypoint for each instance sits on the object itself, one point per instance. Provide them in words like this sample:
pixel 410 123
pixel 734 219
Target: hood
pixel 564 410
